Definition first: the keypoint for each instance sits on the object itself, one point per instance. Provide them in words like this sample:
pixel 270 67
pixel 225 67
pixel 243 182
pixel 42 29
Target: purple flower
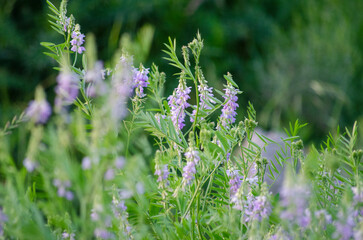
pixel 120 162
pixel 358 195
pixel 140 80
pixel 119 208
pixel 77 40
pixel 228 156
pixel 120 212
pixel 95 77
pixel 66 235
pixel 258 208
pixel 125 194
pixel 62 189
pixel 66 90
pixel 229 108
pixel 344 225
pixel 192 155
pixel 162 173
pixel 109 174
pixel 38 111
pixel 205 102
pixel 86 163
pixel 235 180
pixel 103 233
pixel 295 203
pixel 323 216
pixel 121 88
pixel 188 172
pixel 178 104
pixel 3 219
pixel 94 215
pixel 66 21
pixel 69 195
pixel 358 234
pixel 30 165
pixel 95 212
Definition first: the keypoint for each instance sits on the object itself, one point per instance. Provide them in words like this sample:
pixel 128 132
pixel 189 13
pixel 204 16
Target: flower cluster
pixel 229 108
pixel 140 80
pixel 242 198
pixel 3 219
pixel 77 40
pixel 295 203
pixel 120 212
pixel 345 224
pixel 121 88
pixel 68 236
pixel 38 111
pixel 65 23
pixel 66 90
pixel 102 221
pixel 103 234
pixel 178 104
pixel 63 187
pixel 235 180
pixel 162 173
pixel 95 78
pixel 258 208
pixel 189 170
pixel 205 98
pixel 29 164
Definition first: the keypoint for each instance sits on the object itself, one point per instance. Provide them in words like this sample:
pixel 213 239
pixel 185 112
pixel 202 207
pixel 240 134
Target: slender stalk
pixel 192 200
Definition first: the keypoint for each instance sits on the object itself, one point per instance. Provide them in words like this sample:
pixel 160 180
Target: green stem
pixel 191 201
pixel 75 60
pixel 197 97
pixel 209 184
pixel 129 135
pixel 198 229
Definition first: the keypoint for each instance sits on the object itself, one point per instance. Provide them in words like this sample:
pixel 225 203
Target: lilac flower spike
pixel 66 90
pixel 38 111
pixel 77 40
pixel 120 212
pixel 163 173
pixel 178 104
pixel 86 163
pixel 66 21
pixel 62 189
pixel 205 95
pixel 235 180
pixel 68 236
pixel 121 88
pixel 103 233
pixel 3 219
pixel 258 208
pixel 30 164
pixel 344 225
pixel 295 201
pixel 189 170
pixel 120 162
pixel 109 174
pixel 229 108
pixel 140 80
pixel 95 77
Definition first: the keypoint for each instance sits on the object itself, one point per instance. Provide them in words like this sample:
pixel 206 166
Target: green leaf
pixel 230 80
pixel 223 141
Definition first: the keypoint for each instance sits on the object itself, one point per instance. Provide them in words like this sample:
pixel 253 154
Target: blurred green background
pixel 292 58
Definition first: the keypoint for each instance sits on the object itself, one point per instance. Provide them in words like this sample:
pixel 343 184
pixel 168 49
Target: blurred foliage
pixel 293 59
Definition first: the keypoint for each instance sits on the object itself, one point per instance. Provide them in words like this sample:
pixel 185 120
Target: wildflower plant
pixel 118 160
